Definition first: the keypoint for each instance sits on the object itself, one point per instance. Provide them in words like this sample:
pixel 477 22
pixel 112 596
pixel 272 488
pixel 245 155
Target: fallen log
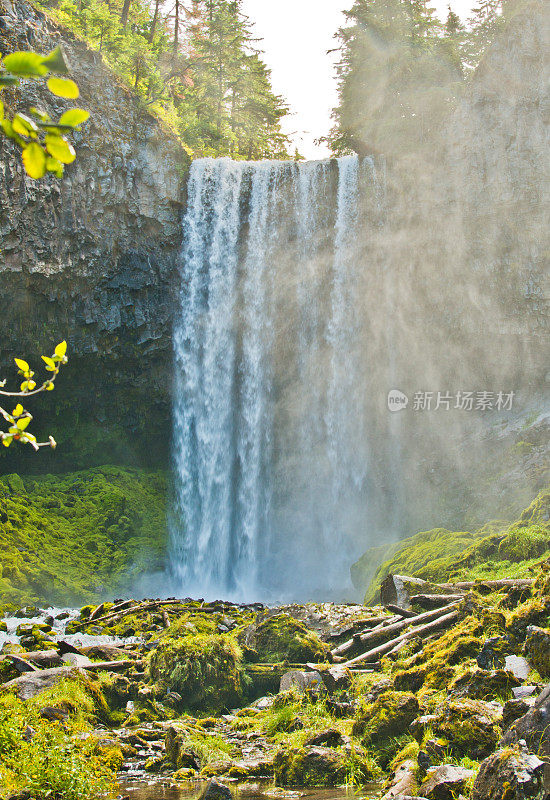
pixel 443 621
pixel 433 600
pixel 114 666
pixel 399 589
pixel 21 665
pixel 399 626
pixel 347 645
pixel 148 605
pixel 41 658
pixel 401 612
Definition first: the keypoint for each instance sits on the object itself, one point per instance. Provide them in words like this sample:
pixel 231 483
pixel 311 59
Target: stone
pixel 482 684
pixel 77 660
pixel 178 751
pixel 389 716
pixel 30 684
pixel 513 710
pixel 336 678
pixel 54 713
pixel 493 652
pixel 468 727
pixel 537 647
pixel 518 666
pixel 403 781
pixel 533 727
pixel 310 766
pixel 509 774
pixel 215 791
pixel 329 738
pixel 445 782
pixel 302 681
pixel 522 692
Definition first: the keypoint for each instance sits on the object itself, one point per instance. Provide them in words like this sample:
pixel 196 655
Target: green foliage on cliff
pixel 497 550
pixel 77 537
pixel 197 68
pixel 43 142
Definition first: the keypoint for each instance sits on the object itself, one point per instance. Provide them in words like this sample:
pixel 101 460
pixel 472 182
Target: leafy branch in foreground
pixel 44 146
pixel 20 418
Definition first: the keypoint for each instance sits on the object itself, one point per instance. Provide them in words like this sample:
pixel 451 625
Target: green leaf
pixel 7 440
pixel 63 87
pixel 23 366
pixel 61 349
pixel 8 129
pixel 59 148
pixel 7 80
pixel 49 361
pixel 74 117
pixel 43 116
pixel 1 110
pixel 56 62
pixel 55 166
pixel 26 64
pixel 23 423
pixel 34 160
pixel 24 125
pixel 18 410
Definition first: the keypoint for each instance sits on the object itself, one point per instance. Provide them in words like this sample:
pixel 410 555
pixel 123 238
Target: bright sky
pixel 296 36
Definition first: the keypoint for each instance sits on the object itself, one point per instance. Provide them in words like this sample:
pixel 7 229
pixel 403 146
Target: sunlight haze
pixel 296 36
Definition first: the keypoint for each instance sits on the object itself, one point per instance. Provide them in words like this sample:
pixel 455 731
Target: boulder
pixel 310 766
pixel 389 716
pixel 493 652
pixel 468 727
pixel 509 774
pixel 215 791
pixel 533 728
pixel 537 647
pixel 518 666
pixel 301 680
pixel 403 781
pixel 30 684
pixel 445 782
pixel 513 710
pixel 336 678
pixel 77 660
pixel 330 738
pixel 483 684
pixel 178 752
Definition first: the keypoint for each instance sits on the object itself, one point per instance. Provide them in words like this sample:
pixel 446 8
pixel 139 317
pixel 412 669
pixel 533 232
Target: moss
pixel 387 717
pixel 537 647
pixel 498 549
pixel 484 684
pixel 282 638
pixel 206 669
pixel 467 728
pixel 323 767
pixel 106 526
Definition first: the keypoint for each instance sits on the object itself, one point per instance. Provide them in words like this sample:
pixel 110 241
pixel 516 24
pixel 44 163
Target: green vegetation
pixel 105 526
pixel 401 70
pixel 206 669
pixel 41 758
pixel 20 419
pixel 197 68
pixel 282 638
pixel 44 145
pixel 497 550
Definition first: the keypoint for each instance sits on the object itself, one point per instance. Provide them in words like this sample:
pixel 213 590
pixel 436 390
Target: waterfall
pixel 270 446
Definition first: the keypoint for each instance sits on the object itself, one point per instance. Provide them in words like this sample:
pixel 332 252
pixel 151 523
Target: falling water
pixel 271 460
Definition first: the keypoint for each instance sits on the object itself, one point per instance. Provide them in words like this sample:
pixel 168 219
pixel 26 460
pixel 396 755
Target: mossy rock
pixel 205 669
pixel 322 767
pixel 387 717
pixel 282 638
pixel 537 648
pixel 483 684
pixel 468 727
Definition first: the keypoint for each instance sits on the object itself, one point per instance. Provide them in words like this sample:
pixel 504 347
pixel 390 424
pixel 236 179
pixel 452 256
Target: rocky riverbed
pixel 440 691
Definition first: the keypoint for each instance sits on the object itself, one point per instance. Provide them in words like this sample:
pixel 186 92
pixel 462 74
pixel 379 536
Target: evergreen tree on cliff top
pixel 397 72
pixel 196 65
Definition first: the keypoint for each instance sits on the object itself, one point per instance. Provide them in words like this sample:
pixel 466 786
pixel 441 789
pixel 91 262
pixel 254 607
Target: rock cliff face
pixel 93 258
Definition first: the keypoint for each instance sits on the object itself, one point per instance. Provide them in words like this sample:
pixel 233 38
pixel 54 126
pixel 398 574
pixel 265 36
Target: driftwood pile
pixel 386 635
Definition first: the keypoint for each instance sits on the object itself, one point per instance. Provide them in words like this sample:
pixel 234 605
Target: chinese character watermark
pixel 447 401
